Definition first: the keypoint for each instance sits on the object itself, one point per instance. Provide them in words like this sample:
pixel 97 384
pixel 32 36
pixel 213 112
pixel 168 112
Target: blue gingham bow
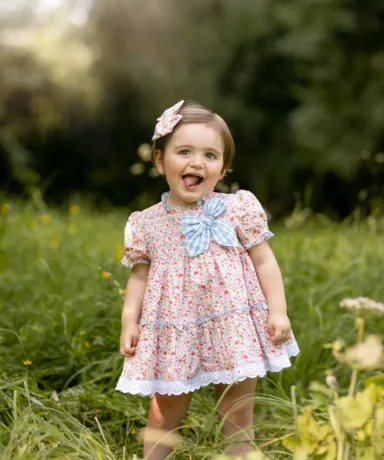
pixel 199 230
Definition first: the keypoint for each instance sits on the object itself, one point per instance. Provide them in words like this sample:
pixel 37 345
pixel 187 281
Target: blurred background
pixel 300 83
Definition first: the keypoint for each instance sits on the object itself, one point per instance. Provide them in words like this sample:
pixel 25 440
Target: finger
pixel 287 336
pixel 127 354
pixel 124 353
pixel 278 335
pixel 126 349
pixel 271 329
pixel 127 345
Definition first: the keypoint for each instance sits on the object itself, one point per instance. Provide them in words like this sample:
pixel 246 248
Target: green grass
pixel 57 311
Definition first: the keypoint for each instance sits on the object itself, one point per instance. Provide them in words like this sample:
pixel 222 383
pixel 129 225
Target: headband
pixel 167 121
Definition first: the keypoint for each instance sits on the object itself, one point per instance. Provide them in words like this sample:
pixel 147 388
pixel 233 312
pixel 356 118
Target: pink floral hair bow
pixel 167 121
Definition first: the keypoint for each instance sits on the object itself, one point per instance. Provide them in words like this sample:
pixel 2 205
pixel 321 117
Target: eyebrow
pixel 189 146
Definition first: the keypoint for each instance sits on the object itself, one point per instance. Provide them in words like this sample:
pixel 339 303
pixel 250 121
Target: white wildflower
pixel 98 341
pixel 368 354
pixel 55 396
pixel 331 382
pixel 363 304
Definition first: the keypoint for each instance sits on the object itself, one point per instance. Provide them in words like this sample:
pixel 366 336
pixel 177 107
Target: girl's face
pixel 192 163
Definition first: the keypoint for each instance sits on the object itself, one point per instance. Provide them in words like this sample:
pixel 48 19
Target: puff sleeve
pixel 252 220
pixel 135 247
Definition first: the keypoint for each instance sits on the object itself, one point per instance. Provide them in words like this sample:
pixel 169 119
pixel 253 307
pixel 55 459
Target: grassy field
pixel 60 304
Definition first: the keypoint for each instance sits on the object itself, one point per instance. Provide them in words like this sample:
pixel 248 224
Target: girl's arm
pixel 133 301
pixel 271 281
pixel 134 295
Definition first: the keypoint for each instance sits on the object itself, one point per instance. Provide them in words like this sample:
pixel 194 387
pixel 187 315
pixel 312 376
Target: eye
pixel 184 152
pixel 211 155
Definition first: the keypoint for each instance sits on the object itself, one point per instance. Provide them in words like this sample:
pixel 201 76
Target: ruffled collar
pixel 175 208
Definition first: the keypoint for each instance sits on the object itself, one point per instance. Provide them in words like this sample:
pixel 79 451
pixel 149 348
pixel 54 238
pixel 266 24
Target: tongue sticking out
pixel 191 181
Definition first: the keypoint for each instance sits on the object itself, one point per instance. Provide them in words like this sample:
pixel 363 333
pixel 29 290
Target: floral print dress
pixel 204 317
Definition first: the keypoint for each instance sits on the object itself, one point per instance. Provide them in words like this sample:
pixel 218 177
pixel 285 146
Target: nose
pixel 197 161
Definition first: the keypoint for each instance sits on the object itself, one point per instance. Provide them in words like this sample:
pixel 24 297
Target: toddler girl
pixel 205 299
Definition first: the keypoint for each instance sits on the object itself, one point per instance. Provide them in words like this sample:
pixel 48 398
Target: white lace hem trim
pixel 176 387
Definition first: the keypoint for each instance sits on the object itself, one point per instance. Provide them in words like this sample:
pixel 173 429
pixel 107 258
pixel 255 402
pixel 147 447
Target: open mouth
pixel 192 180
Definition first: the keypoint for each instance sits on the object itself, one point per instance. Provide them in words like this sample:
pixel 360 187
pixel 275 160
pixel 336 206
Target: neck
pixel 171 202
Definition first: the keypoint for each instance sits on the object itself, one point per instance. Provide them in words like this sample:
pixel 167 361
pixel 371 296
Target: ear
pixel 158 159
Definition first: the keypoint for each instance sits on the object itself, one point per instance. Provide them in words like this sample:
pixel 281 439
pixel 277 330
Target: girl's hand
pixel 128 340
pixel 279 327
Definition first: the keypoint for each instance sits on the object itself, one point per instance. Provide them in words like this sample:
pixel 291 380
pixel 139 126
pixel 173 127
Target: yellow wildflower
pixel 27 362
pixel 105 275
pixel 55 243
pixel 45 218
pixel 87 344
pixel 72 229
pixel 119 253
pixel 122 291
pixel 4 208
pixel 74 209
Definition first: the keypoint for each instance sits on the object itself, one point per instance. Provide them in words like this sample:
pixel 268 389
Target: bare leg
pixel 165 415
pixel 237 408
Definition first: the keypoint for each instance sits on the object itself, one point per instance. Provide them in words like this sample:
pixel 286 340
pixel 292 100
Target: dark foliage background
pixel 300 84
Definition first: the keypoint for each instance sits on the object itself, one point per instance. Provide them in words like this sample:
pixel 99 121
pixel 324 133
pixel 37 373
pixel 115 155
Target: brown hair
pixel 193 112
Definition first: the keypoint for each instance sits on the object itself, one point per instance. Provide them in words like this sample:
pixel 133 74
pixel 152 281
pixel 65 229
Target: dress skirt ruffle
pixel 180 358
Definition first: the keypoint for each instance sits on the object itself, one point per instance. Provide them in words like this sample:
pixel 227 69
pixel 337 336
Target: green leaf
pixel 300 454
pixel 374 393
pixel 291 443
pixel 310 432
pixel 380 419
pixel 369 453
pixel 355 411
pixel 331 452
pixel 317 387
pixel 376 379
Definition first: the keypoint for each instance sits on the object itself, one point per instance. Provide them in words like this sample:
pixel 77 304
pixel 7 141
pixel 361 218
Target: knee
pixel 160 407
pixel 166 410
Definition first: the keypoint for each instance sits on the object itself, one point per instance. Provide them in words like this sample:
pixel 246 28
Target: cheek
pixel 216 170
pixel 174 166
